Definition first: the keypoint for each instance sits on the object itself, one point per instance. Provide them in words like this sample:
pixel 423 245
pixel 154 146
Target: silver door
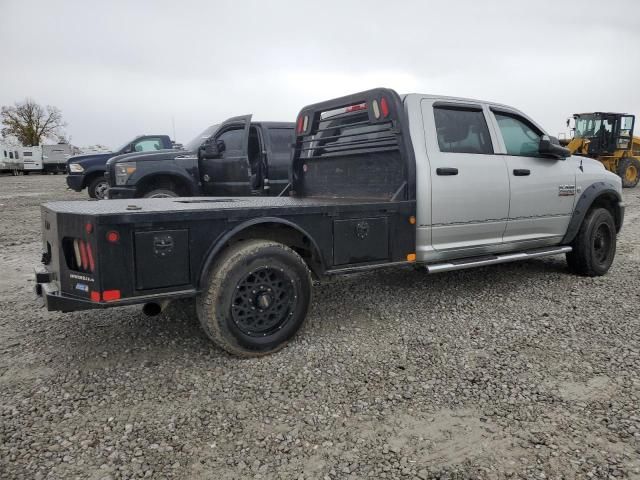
pixel 542 189
pixel 469 183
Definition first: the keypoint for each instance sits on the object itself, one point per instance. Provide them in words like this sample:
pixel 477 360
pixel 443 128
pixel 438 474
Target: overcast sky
pixel 121 68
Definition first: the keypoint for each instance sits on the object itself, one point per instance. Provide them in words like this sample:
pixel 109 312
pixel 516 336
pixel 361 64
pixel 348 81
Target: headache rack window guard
pixel 365 153
pixel 352 152
pixel 390 139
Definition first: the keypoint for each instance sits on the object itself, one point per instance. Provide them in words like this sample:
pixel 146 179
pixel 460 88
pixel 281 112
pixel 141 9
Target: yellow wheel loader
pixel 608 137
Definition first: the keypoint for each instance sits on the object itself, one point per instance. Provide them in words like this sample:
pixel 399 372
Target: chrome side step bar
pixel 495 259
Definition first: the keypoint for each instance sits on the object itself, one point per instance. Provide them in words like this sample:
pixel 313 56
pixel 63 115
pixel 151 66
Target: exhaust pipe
pixel 153 309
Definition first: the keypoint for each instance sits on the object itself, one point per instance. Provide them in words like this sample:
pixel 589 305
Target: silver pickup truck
pixel 377 180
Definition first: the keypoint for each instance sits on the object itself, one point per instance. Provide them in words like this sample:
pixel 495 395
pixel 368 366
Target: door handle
pixel 521 172
pixel 446 171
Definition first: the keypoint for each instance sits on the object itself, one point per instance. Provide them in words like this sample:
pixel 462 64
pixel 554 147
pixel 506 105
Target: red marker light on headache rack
pixel 113 236
pixel 384 107
pixel 355 108
pixel 88 227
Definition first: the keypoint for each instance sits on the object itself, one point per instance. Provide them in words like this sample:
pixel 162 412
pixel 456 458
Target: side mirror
pixel 212 149
pixel 550 147
pixel 128 148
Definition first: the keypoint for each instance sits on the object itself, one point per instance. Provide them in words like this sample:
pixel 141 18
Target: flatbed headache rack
pixel 357 146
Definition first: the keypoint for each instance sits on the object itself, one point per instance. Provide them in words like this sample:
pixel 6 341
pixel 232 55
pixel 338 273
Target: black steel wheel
pixel 263 301
pixel 594 248
pixel 256 298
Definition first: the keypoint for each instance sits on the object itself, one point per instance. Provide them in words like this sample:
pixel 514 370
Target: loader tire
pixel 629 171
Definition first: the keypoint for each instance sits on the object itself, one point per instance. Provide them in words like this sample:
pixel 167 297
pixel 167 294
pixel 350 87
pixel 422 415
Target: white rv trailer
pixel 32 159
pixel 10 159
pixel 54 157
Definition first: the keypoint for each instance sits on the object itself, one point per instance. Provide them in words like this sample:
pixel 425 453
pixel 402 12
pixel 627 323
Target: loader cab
pixel 606 132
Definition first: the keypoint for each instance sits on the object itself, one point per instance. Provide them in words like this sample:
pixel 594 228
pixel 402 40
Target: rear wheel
pixel 256 298
pixel 629 171
pixel 160 193
pixel 594 248
pixel 98 188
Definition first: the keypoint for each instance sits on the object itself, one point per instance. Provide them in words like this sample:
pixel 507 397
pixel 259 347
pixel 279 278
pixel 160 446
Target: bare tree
pixel 31 123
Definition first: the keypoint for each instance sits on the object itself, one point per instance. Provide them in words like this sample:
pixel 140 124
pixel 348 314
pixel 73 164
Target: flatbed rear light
pixel 92 263
pixel 111 295
pixel 83 255
pixel 79 255
pixel 106 296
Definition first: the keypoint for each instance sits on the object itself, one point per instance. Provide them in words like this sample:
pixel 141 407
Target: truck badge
pixel 566 190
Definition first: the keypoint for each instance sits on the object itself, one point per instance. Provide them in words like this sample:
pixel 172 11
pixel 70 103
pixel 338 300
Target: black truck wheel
pixel 98 188
pixel 629 171
pixel 594 248
pixel 256 298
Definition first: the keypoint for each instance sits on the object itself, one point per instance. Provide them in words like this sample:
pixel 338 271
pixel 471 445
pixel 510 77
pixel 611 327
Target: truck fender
pixel 221 241
pixel 589 195
pixel 186 179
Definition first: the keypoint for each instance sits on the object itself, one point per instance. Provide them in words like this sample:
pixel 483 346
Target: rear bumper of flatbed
pixel 55 301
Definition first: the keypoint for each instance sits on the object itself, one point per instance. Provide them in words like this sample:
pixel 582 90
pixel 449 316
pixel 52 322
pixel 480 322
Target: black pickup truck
pixel 376 180
pixel 88 170
pixel 237 157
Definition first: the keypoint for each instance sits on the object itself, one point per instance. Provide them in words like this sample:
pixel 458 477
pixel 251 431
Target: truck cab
pixel 88 171
pixel 237 157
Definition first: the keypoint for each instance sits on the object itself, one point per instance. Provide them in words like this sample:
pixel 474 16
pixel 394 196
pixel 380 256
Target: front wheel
pixel 594 248
pixel 629 171
pixel 256 298
pixel 98 188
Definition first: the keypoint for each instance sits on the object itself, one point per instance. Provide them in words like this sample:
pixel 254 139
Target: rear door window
pixel 520 137
pixel 148 145
pixel 462 130
pixel 281 139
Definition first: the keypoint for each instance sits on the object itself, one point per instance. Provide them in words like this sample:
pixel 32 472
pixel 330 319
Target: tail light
pixel 79 255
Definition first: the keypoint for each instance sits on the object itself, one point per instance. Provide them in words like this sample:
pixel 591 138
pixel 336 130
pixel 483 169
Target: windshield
pixel 123 146
pixel 194 144
pixel 591 126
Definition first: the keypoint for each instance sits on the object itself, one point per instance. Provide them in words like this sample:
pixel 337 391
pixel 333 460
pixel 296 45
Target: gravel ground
pixel 519 370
